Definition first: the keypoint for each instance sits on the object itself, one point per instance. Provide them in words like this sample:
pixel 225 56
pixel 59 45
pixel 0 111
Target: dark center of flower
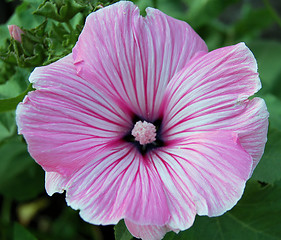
pixel 145 135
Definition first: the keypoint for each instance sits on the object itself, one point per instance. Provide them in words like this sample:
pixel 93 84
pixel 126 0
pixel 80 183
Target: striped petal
pixel 54 183
pixel 204 174
pixel 132 58
pixel 119 184
pixel 211 94
pixel 66 121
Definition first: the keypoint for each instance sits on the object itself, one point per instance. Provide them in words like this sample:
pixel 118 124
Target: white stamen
pixel 144 132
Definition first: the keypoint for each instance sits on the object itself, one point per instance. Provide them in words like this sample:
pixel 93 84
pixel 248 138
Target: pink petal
pixel 132 58
pixel 147 232
pixel 120 184
pixel 204 174
pixel 211 94
pixel 54 182
pixel 67 122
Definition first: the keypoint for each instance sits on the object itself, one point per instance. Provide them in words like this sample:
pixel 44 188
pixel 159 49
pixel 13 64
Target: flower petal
pixel 67 122
pixel 147 232
pixel 54 182
pixel 119 184
pixel 212 94
pixel 205 174
pixel 132 58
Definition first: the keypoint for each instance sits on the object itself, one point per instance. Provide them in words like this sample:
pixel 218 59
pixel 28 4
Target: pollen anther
pixel 144 132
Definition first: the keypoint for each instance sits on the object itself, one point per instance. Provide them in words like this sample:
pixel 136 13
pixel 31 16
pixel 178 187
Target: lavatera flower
pixel 140 122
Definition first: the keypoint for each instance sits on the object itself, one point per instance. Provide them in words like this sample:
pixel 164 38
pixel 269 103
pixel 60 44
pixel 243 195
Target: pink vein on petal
pixel 67 122
pixel 119 184
pixel 130 59
pixel 211 94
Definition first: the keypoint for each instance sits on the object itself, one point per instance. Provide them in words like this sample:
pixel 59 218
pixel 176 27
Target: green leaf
pixel 6 71
pixel 62 38
pixel 20 177
pixel 201 12
pixel 23 16
pixel 15 84
pixel 59 10
pixel 31 52
pixel 268 55
pixel 255 217
pixel 273 105
pixel 21 233
pixel 4 35
pixel 69 226
pixel 11 103
pixel 121 231
pixel 268 169
pixel 7 125
pixel 252 22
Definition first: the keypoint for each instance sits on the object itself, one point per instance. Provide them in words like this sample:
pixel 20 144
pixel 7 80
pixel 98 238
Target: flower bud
pixel 15 32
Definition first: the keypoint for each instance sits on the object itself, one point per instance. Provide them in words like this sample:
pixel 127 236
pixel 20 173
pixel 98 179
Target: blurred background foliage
pixel 51 29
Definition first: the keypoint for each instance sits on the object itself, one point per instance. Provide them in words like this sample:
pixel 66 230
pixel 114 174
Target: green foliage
pixel 29 53
pixel 21 233
pixel 7 125
pixel 256 216
pixel 64 10
pixel 18 171
pixel 59 23
pixel 59 10
pixel 268 57
pixel 121 231
pixel 273 105
pixel 4 35
pixel 23 16
pixel 11 103
pixel 68 226
pixel 202 11
pixel 267 53
pixel 268 170
pixel 252 22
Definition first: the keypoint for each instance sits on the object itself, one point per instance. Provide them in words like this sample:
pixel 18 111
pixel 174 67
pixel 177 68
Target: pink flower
pixel 142 123
pixel 15 32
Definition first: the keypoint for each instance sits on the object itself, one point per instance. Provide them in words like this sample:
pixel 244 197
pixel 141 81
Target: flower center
pixel 144 132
